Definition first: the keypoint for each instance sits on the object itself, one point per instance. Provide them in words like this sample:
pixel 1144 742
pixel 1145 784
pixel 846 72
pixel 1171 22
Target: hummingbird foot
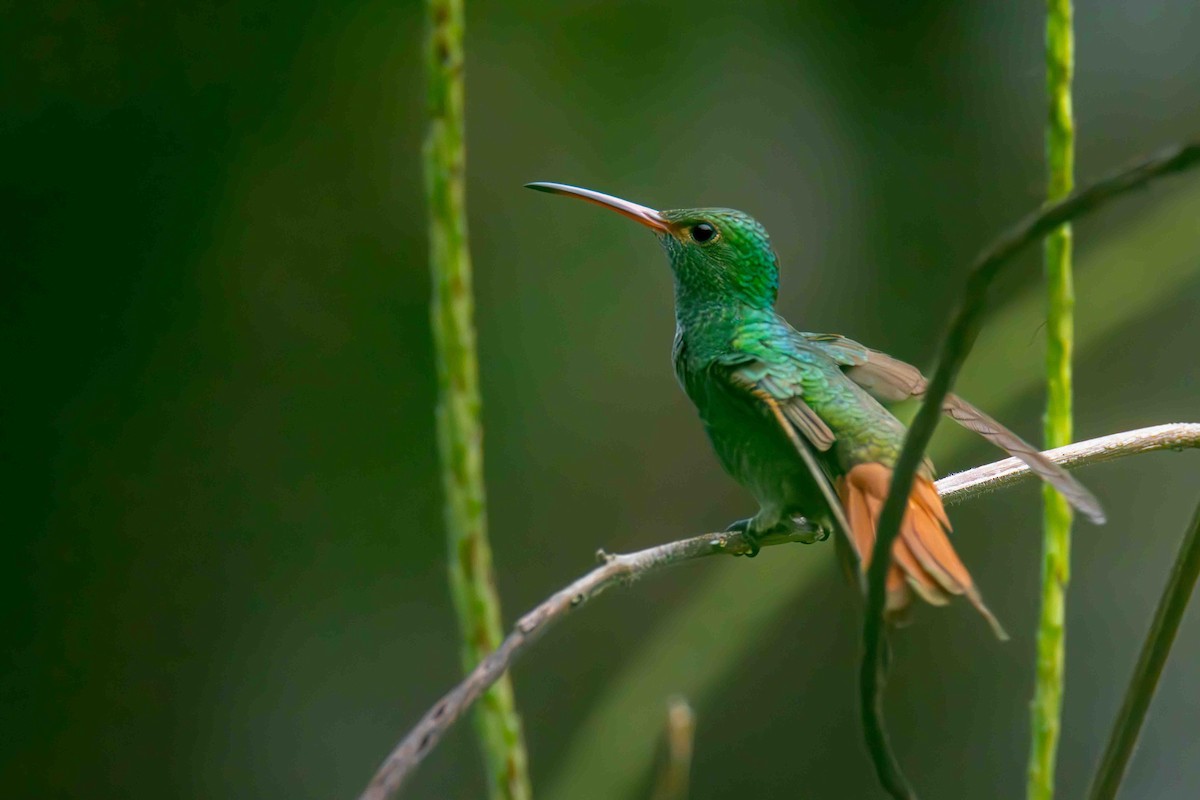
pixel 794 529
pixel 799 529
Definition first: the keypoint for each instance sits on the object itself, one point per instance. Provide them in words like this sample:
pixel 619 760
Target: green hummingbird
pixel 800 419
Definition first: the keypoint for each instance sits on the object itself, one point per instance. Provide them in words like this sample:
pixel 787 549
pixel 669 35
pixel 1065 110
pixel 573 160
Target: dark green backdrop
pixel 224 559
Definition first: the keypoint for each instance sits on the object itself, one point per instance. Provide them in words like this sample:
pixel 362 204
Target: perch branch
pixel 968 485
pixel 614 569
pixel 957 344
pixel 1149 666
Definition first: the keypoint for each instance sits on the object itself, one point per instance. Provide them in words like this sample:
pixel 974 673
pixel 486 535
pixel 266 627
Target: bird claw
pixel 798 529
pixel 746 528
pixel 806 532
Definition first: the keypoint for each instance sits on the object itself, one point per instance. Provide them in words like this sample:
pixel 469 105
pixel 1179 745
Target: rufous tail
pixel 923 560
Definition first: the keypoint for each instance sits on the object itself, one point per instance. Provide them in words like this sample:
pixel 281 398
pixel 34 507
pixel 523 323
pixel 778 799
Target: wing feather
pixel 890 380
pixel 782 399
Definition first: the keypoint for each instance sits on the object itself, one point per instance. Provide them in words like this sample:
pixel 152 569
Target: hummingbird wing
pixel 778 381
pixel 890 380
pixel 779 389
pixel 775 391
pixel 923 559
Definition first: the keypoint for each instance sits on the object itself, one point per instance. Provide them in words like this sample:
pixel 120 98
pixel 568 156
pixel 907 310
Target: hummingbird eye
pixel 703 232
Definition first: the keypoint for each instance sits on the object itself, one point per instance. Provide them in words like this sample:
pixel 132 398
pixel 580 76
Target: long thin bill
pixel 643 214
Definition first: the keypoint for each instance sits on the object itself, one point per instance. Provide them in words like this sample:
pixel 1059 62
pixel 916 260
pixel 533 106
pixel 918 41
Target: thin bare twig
pixel 673 780
pixel 1149 666
pixel 958 342
pixel 424 737
pixel 968 485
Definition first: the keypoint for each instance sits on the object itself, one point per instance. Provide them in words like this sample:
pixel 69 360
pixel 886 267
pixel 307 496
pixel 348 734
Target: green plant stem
pixel 1149 667
pixel 1046 709
pixel 964 329
pixel 459 425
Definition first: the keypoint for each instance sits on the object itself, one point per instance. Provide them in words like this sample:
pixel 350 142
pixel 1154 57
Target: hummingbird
pixel 801 419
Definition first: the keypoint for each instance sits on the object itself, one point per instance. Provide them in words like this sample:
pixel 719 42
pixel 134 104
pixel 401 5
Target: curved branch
pixel 424 737
pixel 958 342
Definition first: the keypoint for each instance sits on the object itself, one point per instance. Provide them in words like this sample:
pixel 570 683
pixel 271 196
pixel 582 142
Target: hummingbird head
pixel 717 254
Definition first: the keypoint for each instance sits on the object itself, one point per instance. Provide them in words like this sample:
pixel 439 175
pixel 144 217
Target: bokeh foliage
pixel 225 581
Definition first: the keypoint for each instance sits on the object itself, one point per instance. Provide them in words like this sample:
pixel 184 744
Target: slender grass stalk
pixel 1046 709
pixel 459 425
pixel 1149 667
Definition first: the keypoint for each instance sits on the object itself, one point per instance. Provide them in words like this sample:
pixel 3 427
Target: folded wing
pixel 774 393
pixel 890 380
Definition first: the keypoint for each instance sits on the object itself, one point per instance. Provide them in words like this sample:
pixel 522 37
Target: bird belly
pixel 757 454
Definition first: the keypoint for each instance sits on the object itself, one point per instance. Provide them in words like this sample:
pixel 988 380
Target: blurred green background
pixel 225 567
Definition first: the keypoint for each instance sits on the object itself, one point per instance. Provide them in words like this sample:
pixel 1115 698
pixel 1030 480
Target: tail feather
pixel 923 560
pixel 905 571
pixel 925 535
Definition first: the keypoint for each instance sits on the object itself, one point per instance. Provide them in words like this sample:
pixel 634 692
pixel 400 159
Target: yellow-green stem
pixel 1056 524
pixel 459 425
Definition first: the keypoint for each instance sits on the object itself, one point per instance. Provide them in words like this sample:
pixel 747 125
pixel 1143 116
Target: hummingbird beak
pixel 646 216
